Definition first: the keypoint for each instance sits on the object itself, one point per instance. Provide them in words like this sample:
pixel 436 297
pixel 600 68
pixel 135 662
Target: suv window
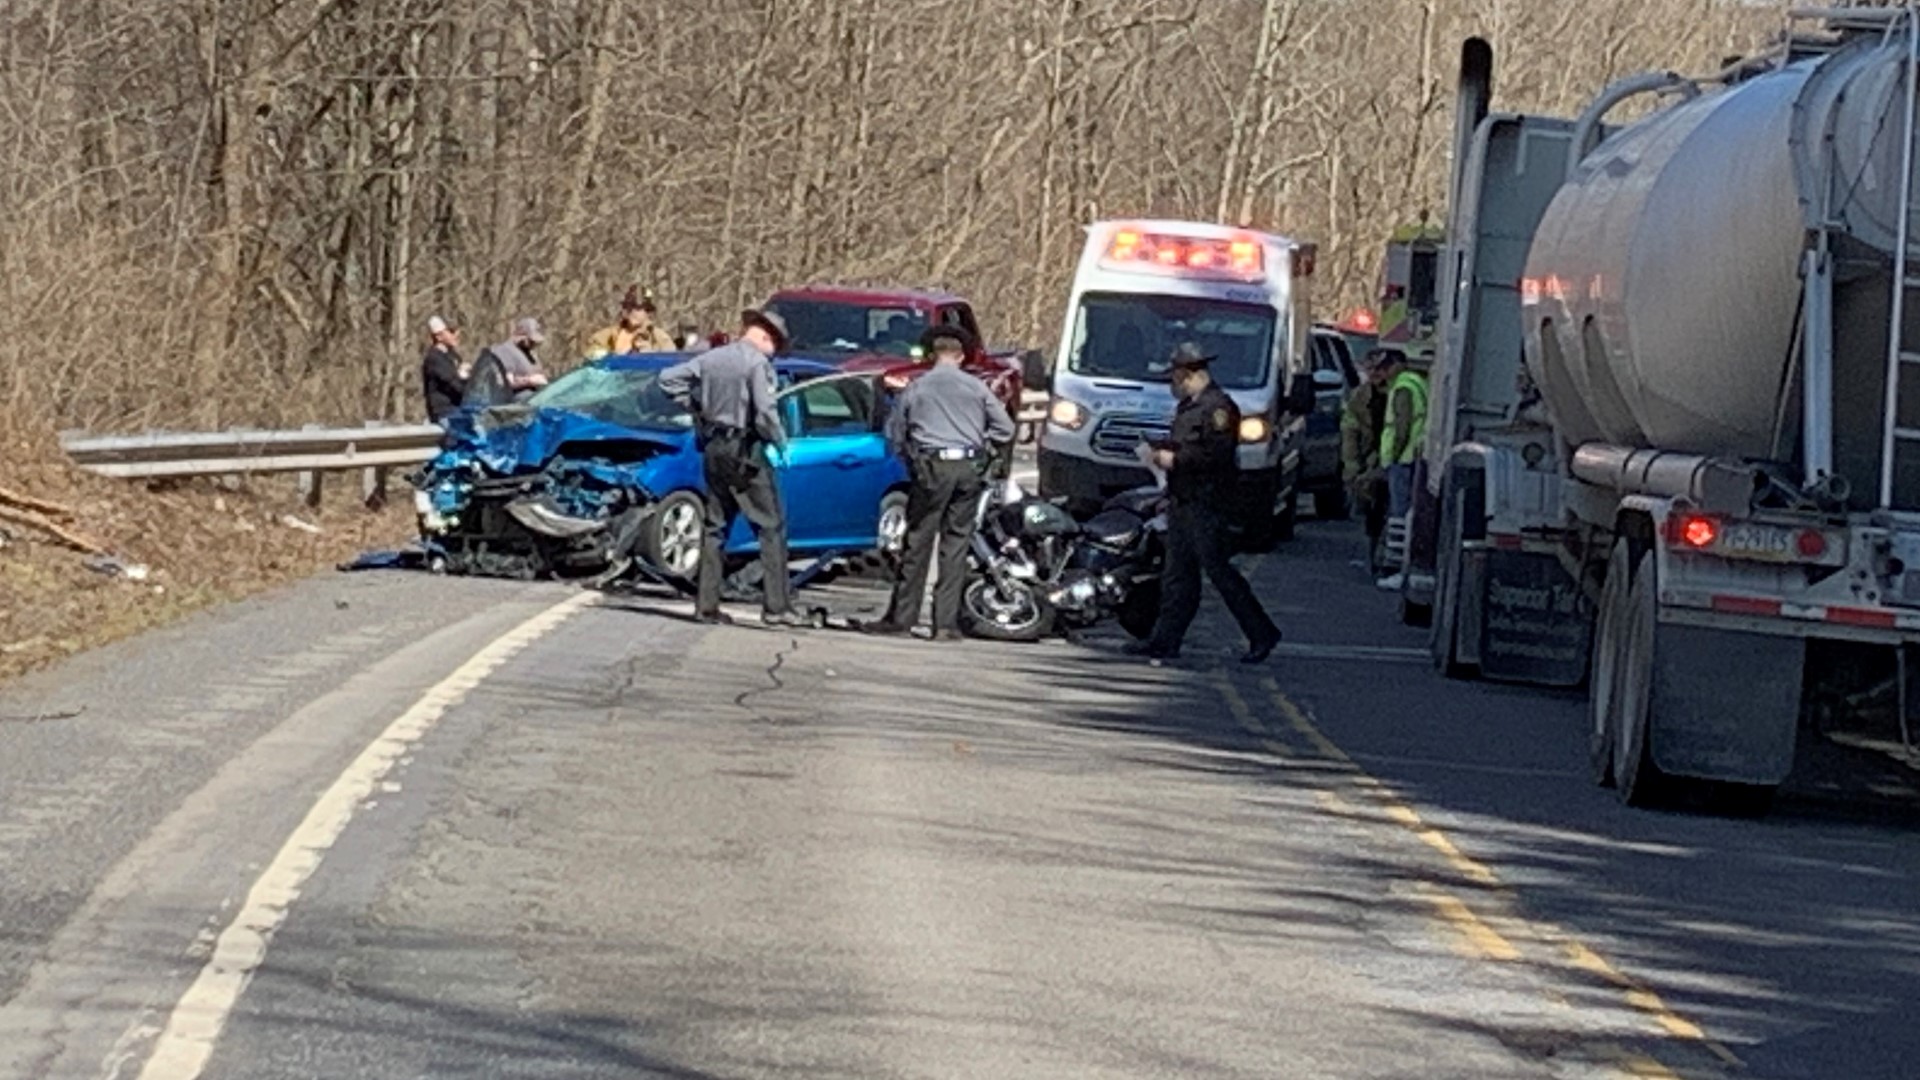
pixel 1330 354
pixel 833 407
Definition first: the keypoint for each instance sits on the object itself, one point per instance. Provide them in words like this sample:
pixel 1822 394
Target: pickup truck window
pixel 826 326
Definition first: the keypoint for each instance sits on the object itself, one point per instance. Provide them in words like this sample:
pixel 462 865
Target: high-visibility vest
pixel 1415 384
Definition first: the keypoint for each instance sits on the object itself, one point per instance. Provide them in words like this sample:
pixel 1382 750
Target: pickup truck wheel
pixel 1637 779
pixel 673 537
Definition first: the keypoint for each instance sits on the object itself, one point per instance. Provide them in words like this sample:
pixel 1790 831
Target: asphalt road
pixel 392 825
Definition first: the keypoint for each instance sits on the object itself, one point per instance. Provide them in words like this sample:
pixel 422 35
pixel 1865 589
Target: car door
pixel 838 465
pixel 1333 378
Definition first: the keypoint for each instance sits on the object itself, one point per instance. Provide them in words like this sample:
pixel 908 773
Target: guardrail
pixel 311 451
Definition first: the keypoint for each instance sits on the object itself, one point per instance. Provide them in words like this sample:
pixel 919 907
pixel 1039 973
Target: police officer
pixel 942 426
pixel 1198 460
pixel 730 390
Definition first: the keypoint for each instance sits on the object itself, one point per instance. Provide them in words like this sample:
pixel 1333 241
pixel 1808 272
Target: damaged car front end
pixel 526 491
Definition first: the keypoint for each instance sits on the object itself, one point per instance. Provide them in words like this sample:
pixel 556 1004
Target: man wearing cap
pixel 1361 418
pixel 1198 458
pixel 730 391
pixel 508 371
pixel 636 332
pixel 443 374
pixel 945 425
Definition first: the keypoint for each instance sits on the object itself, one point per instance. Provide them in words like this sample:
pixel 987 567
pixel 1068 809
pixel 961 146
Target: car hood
pixel 508 439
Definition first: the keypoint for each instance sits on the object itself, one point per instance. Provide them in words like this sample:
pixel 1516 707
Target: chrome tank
pixel 1663 282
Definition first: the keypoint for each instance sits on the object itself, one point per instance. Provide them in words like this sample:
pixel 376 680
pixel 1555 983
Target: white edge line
pixel 187 1042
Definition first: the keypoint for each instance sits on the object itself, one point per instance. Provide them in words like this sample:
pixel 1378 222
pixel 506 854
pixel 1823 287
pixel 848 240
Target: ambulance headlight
pixel 1254 429
pixel 1070 415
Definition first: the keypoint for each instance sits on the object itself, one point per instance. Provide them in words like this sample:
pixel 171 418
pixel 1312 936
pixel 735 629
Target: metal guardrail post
pixel 373 479
pixel 309 479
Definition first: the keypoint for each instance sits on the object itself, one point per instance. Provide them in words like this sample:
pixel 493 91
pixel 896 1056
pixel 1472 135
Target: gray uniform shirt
pixel 732 385
pixel 947 409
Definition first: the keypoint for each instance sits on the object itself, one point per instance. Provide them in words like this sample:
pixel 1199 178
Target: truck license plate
pixel 1763 542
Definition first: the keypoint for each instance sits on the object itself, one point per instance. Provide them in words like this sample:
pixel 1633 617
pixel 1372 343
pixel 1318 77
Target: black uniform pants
pixel 1197 543
pixel 740 481
pixel 940 508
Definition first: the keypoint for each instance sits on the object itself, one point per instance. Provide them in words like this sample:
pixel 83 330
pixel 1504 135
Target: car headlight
pixel 1067 414
pixel 1253 429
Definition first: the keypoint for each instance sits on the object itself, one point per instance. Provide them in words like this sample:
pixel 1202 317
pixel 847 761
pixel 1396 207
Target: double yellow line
pixel 1480 932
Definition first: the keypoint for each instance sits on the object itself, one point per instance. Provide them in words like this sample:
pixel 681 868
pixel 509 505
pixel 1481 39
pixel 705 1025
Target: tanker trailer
pixel 1674 450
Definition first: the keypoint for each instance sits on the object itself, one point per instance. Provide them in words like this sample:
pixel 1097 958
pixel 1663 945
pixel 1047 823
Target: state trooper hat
pixel 1189 357
pixel 771 322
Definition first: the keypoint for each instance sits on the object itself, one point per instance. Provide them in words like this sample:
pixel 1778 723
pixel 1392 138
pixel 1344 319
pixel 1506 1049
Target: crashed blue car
pixel 602 463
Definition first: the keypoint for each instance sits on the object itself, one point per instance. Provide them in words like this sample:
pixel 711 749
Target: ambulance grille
pixel 1116 436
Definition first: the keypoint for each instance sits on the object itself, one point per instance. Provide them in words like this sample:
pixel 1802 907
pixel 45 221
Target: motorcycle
pixel 1033 569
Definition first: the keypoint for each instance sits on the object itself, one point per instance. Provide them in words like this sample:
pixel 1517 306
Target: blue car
pixel 602 461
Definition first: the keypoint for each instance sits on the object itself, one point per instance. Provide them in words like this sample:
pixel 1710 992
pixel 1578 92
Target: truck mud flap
pixel 1534 625
pixel 1726 703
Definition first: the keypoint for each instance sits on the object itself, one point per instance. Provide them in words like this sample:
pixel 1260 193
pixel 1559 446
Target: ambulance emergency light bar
pixel 1239 259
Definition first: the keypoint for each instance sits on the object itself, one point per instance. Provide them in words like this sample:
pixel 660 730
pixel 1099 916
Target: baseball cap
pixel 438 325
pixel 529 327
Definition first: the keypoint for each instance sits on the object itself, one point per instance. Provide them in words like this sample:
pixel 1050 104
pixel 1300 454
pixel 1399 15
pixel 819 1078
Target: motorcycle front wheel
pixel 1015 612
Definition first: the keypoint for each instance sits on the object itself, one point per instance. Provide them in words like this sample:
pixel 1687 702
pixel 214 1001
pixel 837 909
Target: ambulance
pixel 1142 288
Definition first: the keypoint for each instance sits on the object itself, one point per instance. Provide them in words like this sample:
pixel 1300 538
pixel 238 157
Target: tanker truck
pixel 1674 434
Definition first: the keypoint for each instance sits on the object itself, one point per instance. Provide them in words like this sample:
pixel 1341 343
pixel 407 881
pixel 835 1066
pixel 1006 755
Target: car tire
pixel 672 538
pixel 891 540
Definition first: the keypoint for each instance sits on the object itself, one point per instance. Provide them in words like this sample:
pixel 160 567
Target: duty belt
pixel 950 453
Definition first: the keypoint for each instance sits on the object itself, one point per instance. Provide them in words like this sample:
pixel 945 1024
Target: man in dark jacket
pixel 443 374
pixel 1198 458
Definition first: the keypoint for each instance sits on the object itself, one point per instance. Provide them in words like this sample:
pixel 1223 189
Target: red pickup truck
pixel 863 329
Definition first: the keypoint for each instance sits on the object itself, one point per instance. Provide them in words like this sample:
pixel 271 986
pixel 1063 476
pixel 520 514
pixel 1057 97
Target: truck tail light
pixel 1697 531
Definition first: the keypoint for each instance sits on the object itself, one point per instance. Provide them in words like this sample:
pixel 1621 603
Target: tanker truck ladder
pixel 1902 442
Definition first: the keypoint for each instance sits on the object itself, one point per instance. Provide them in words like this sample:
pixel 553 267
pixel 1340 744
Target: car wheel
pixel 892 539
pixel 674 535
pixel 1016 612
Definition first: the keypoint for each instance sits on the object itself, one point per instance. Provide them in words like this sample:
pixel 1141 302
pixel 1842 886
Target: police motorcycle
pixel 1033 569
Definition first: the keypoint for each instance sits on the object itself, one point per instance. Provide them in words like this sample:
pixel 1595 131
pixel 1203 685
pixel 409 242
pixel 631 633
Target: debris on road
pixel 42 524
pixel 112 567
pixel 292 522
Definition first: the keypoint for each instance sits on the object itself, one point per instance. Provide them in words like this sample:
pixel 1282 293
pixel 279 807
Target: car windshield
pixel 831 326
pixel 627 397
pixel 1125 336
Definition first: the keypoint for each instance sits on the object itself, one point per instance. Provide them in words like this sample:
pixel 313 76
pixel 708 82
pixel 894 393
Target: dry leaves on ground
pixel 198 543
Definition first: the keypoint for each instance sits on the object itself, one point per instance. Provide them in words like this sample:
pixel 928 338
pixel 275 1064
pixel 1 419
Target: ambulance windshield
pixel 1130 336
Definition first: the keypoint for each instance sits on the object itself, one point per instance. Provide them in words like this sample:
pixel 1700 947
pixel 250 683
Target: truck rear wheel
pixel 1603 681
pixel 1637 779
pixel 1444 640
